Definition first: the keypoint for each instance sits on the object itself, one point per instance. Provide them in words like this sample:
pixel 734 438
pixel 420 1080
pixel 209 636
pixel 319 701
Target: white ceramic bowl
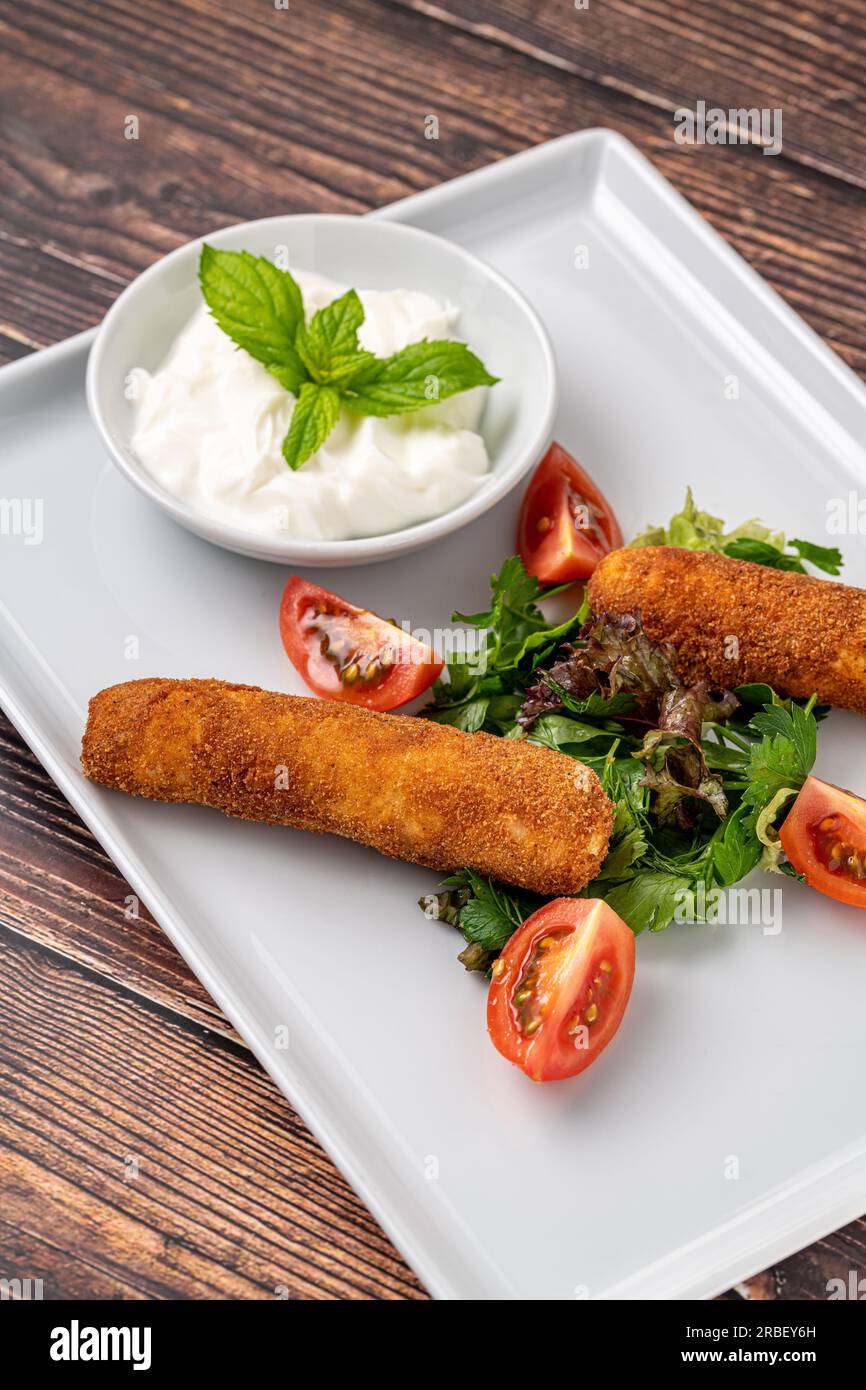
pixel 372 253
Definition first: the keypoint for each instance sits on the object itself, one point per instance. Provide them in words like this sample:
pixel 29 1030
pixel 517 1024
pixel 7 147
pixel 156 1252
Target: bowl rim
pixel 361 549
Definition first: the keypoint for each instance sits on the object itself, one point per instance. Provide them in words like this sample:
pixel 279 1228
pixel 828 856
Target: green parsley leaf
pixel 488 682
pixel 468 715
pixel 258 306
pixel 778 765
pixel 761 553
pixel 559 732
pixel 314 416
pixel 790 743
pixel 419 375
pixel 517 627
pixel 757 693
pixel 484 921
pixel 513 595
pixel 649 900
pixel 628 849
pixel 736 851
pixel 692 529
pixel 601 706
pixel 823 557
pixel 486 913
pixel 494 911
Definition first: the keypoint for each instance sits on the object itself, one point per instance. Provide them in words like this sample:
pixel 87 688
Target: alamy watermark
pixel 737 126
pixel 83 1343
pixel 24 517
pixel 853 1288
pixel 731 907
pixel 20 1290
pixel 411 646
pixel 846 516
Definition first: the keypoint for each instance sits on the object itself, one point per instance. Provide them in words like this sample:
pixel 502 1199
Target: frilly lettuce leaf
pixel 692 529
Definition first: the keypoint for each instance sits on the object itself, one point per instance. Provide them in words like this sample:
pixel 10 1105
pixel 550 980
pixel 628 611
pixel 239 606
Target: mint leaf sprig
pixel 322 363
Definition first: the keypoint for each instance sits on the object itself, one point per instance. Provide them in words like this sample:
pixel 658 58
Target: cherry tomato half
pixel 560 988
pixel 348 653
pixel 824 836
pixel 566 526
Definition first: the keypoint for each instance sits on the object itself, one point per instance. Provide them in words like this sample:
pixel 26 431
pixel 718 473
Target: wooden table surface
pixel 144 1152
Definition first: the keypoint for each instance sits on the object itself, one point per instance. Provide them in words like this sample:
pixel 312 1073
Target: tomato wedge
pixel 347 653
pixel 566 525
pixel 560 988
pixel 824 836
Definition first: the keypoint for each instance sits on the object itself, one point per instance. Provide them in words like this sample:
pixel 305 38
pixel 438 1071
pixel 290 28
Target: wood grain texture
pixel 159 1158
pixel 59 888
pixel 323 106
pixel 806 60
pixel 109 1048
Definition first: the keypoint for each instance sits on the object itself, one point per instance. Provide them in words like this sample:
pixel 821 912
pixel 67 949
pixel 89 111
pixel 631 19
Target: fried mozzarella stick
pixel 410 788
pixel 733 622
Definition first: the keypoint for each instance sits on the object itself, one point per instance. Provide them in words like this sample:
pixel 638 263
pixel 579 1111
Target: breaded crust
pixel 410 788
pixel 733 622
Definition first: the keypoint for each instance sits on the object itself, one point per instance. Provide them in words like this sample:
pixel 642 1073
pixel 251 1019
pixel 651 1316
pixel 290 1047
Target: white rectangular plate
pixel 723 1128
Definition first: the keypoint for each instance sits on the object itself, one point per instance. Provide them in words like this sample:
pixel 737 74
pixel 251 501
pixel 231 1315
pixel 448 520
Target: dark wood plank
pixel 143 1157
pixel 323 107
pixel 60 1272
pixel 806 60
pixel 58 888
pixel 807 1274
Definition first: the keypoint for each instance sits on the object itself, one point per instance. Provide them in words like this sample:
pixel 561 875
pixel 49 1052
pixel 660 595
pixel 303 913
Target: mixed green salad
pixel 698 777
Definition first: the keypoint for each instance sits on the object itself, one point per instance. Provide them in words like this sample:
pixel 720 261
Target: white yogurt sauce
pixel 210 423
